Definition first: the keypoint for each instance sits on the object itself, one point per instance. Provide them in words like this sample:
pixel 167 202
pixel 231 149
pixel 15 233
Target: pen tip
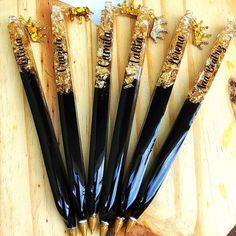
pixel 130 224
pixel 92 223
pixel 118 224
pixel 72 232
pixel 83 227
pixel 103 229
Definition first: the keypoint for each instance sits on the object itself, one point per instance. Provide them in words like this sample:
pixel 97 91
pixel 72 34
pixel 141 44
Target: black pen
pixel 99 129
pixel 68 118
pixel 179 131
pixel 165 83
pixel 124 117
pixel 46 134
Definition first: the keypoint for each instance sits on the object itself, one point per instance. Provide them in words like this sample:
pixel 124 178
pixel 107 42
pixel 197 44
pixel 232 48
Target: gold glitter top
pixel 212 65
pixel 138 48
pixel 21 45
pixel 177 47
pixel 104 53
pixel 61 59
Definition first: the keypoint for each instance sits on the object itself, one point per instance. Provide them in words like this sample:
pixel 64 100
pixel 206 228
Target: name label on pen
pixel 61 55
pixel 136 50
pixel 20 53
pixel 177 52
pixel 105 60
pixel 134 68
pixel 211 67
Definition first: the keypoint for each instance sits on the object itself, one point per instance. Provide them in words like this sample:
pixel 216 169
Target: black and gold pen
pixel 165 83
pixel 46 134
pixel 99 127
pixel 112 182
pixel 68 118
pixel 179 131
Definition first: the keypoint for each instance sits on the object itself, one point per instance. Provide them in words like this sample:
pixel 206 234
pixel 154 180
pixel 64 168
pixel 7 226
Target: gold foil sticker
pixel 61 58
pixel 138 48
pixel 21 45
pixel 212 65
pixel 177 47
pixel 104 53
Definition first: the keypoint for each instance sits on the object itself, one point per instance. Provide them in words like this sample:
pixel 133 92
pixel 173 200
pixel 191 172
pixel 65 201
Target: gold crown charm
pixel 157 24
pixel 78 12
pixel 128 10
pixel 158 29
pixel 35 32
pixel 199 35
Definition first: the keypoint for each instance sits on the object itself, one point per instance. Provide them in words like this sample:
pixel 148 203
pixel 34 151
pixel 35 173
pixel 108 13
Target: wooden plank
pixel 197 198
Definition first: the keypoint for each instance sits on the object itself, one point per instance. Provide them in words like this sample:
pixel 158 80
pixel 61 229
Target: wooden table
pixel 198 196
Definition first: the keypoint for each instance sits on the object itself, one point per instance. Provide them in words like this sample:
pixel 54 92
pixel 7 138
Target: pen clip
pixel 199 34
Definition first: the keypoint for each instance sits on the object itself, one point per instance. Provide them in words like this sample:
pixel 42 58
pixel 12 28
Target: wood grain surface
pixel 198 196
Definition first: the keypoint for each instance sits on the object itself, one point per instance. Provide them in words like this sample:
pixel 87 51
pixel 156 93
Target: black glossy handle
pixel 165 158
pixel 118 152
pixel 50 148
pixel 97 148
pixel 140 159
pixel 73 153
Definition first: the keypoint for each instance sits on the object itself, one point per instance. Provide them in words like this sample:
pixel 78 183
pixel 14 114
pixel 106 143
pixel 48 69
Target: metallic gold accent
pixel 213 63
pixel 104 228
pixel 93 222
pixel 83 226
pixel 72 232
pixel 78 12
pixel 61 58
pixel 118 224
pixel 21 45
pixel 35 32
pixel 138 48
pixel 171 65
pixel 104 53
pixel 130 224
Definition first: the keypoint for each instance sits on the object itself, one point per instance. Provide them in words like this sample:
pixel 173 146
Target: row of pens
pixel 104 193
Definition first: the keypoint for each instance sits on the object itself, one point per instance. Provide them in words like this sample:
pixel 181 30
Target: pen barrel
pixel 119 146
pixel 97 147
pixel 73 153
pixel 165 158
pixel 50 148
pixel 124 117
pixel 140 159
